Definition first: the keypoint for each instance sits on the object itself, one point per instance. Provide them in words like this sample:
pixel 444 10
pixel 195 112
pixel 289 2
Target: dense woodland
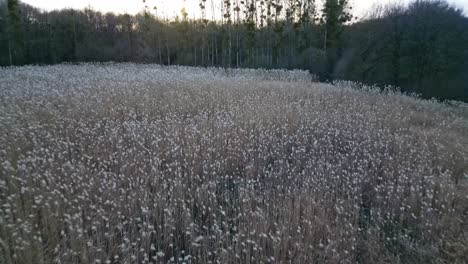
pixel 420 48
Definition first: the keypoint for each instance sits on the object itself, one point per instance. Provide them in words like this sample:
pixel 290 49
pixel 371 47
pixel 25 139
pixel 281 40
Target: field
pixel 125 163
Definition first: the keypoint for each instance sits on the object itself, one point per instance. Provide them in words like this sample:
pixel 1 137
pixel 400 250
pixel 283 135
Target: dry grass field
pixel 125 163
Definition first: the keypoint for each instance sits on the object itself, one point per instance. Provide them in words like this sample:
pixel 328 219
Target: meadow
pixel 129 163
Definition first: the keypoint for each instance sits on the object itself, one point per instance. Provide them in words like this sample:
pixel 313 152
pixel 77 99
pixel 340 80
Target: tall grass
pixel 124 163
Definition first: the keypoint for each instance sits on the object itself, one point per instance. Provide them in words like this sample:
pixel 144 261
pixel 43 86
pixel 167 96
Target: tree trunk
pixel 10 55
pixel 230 47
pixel 325 40
pixel 168 52
pixel 159 50
pixel 75 42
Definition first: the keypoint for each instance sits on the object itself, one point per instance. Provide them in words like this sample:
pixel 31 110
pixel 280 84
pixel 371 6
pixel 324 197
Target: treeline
pixel 420 48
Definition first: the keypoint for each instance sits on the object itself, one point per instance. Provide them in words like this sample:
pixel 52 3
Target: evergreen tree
pixel 336 13
pixel 15 33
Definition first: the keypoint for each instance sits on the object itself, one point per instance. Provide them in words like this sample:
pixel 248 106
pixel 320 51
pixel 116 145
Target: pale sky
pixel 170 8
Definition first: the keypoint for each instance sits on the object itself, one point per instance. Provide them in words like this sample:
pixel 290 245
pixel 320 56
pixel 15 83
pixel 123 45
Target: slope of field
pixel 124 163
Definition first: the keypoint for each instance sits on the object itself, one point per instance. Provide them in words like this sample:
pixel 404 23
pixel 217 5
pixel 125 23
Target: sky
pixel 170 8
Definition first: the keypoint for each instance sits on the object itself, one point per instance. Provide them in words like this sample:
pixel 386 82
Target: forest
pixel 419 48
